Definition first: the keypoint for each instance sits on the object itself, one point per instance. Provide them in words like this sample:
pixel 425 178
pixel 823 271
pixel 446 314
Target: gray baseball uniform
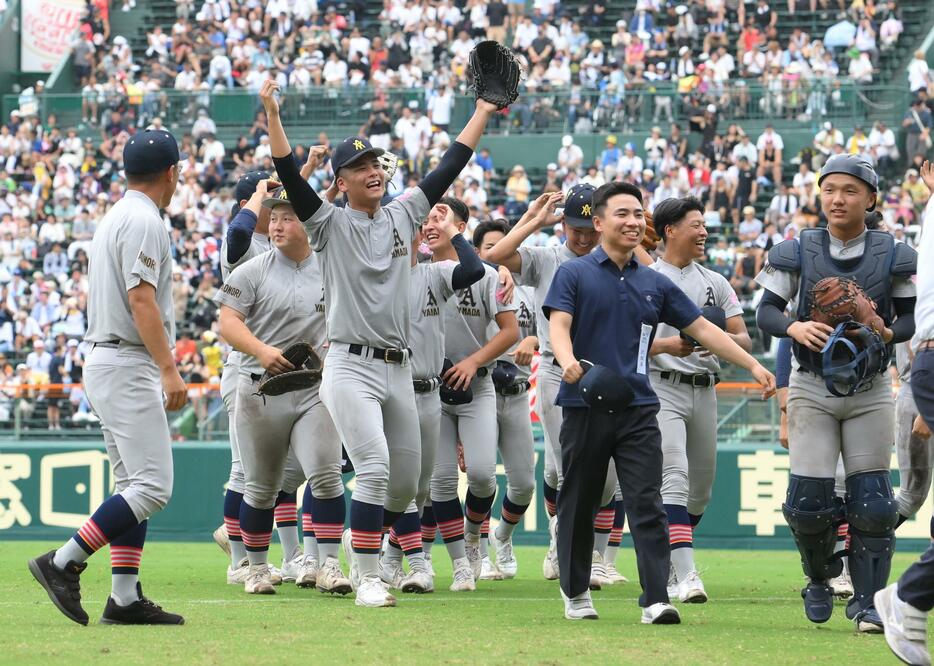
pixel 367 273
pixel 229 377
pixel 915 454
pixel 514 427
pixel 282 303
pixel 430 289
pixel 688 414
pixel 123 384
pixel 467 317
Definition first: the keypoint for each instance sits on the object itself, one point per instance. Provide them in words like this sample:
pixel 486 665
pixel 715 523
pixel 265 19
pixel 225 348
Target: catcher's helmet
pixel 852 356
pixel 853 165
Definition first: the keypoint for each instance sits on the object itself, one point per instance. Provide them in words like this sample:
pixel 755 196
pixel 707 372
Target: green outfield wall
pixel 48 489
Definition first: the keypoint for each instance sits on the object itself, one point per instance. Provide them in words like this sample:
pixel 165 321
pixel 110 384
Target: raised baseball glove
pixel 306 375
pixel 493 72
pixel 835 300
pixel 390 164
pixel 651 240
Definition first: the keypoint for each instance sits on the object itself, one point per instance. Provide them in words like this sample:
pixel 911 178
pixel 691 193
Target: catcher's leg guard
pixel 812 515
pixel 872 513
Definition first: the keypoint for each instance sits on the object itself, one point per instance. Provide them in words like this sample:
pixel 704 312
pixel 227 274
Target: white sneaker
pixel 905 627
pixel 275 575
pixel 598 574
pixel 472 545
pixel 579 607
pixel 429 568
pixel 331 579
pixel 418 581
pixel 505 557
pixel 308 572
pixel 463 576
pixel 615 575
pixel 290 568
pixel 842 585
pixel 258 580
pixel 390 572
pixel 488 570
pixel 550 565
pixel 238 576
pixel 691 589
pixel 222 539
pixel 661 614
pixel 373 593
pixel 672 583
pixel 347 543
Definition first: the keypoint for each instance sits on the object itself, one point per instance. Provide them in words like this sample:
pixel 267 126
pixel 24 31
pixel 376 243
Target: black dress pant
pixel 589 439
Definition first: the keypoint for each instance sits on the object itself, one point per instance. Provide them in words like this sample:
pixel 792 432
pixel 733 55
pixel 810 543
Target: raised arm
pixel 540 213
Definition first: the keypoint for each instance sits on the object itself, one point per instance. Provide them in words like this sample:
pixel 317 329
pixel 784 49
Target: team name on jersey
pixel 148 262
pixel 233 291
pixel 524 317
pixel 399 248
pixel 467 304
pixel 431 308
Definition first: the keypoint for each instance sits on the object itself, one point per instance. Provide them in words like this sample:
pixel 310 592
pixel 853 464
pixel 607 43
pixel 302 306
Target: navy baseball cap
pixel 246 186
pixel 578 206
pixel 603 389
pixel 277 197
pixel 149 151
pixel 352 149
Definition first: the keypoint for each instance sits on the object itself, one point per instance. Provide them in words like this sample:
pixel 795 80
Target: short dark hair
pixel 486 227
pixel 146 178
pixel 671 211
pixel 605 192
pixel 872 219
pixel 459 207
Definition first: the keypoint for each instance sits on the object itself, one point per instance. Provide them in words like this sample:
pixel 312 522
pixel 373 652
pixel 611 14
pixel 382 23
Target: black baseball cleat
pixel 818 601
pixel 62 586
pixel 143 611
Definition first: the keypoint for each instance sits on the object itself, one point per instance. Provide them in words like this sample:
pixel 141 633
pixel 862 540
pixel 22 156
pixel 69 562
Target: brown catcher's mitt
pixel 650 240
pixel 835 300
pixel 307 372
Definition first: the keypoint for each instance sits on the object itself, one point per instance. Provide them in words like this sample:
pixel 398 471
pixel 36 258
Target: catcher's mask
pixel 852 356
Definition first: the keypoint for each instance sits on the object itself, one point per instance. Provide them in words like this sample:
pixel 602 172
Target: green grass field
pixel 754 617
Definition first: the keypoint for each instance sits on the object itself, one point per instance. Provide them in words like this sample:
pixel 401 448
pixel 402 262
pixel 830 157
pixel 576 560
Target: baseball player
pixel 685 379
pixel 472 348
pixel 914 445
pixel 860 426
pixel 514 427
pixel 269 302
pixel 130 380
pixel 433 285
pixel 364 250
pixel 535 267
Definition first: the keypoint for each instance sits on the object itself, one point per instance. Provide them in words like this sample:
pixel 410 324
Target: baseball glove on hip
pixel 494 73
pixel 306 375
pixel 835 300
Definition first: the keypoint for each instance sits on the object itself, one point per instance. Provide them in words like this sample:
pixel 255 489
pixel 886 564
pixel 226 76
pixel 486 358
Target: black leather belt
pixel 107 343
pixel 255 377
pixel 702 380
pixel 483 372
pixel 514 389
pixel 426 385
pixel 387 355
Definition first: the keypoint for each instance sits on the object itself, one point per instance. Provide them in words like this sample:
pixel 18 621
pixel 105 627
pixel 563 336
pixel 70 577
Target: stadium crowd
pixel 57 182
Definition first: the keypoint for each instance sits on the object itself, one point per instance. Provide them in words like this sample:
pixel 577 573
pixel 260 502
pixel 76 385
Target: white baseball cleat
pixel 905 627
pixel 221 538
pixel 238 576
pixel 259 581
pixel 672 583
pixel 417 582
pixel 390 572
pixel 550 565
pixel 373 593
pixel 347 543
pixel 661 613
pixel 308 572
pixel 291 568
pixel 488 570
pixel 842 585
pixel 472 546
pixel 463 576
pixel 505 557
pixel 615 575
pixel 691 589
pixel 598 574
pixel 331 579
pixel 579 607
pixel 275 575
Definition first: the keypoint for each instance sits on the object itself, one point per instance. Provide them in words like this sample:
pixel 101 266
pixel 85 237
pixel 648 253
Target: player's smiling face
pixel 363 181
pixel 690 234
pixel 581 240
pixel 845 199
pixel 622 222
pixel 490 239
pixel 285 229
pixel 434 235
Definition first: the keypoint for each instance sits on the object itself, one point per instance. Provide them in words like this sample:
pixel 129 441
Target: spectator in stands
pixel 39 360
pixel 917 124
pixel 570 155
pixel 919 74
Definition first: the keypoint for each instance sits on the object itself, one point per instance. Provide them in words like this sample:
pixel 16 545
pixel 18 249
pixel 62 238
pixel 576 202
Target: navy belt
pixel 107 343
pixel 386 355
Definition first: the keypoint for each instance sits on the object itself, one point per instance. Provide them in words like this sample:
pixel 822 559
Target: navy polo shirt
pixel 616 313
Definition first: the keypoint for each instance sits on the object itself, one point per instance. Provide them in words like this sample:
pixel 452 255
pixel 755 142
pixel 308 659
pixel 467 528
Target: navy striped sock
pixel 451 525
pixel 476 511
pixel 366 529
pixel 407 531
pixel 256 528
pixel 328 515
pixel 112 519
pixel 551 499
pixel 429 525
pixel 232 502
pixel 680 533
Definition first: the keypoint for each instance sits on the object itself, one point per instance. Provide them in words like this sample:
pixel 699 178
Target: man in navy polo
pixel 604 308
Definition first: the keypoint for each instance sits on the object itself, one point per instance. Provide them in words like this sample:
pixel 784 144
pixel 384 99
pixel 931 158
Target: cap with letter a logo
pixel 278 197
pixel 578 206
pixel 352 149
